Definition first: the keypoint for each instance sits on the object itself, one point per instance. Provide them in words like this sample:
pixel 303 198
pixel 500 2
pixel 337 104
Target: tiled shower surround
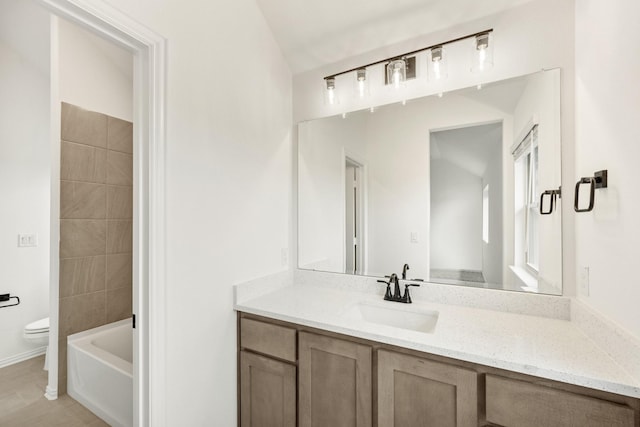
pixel 96 210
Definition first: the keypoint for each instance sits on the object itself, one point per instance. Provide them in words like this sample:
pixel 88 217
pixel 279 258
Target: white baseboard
pixel 23 356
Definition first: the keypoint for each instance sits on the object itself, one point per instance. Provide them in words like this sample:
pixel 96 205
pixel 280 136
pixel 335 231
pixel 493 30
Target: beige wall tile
pixel 82 200
pixel 83 126
pixel 119 236
pixel 82 275
pixel 119 135
pixel 83 163
pixel 119 168
pixel 82 237
pixel 81 312
pixel 119 202
pixel 119 304
pixel 119 270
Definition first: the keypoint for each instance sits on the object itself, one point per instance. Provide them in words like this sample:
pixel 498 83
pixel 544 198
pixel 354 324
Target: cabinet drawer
pixel 265 338
pixel 516 403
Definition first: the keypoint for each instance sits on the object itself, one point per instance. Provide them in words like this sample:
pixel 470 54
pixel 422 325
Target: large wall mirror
pixel 463 188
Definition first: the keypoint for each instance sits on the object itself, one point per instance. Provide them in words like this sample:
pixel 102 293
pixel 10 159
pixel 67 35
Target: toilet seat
pixel 38 327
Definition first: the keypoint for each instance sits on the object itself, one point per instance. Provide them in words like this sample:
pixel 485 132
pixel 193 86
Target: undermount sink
pixel 398 316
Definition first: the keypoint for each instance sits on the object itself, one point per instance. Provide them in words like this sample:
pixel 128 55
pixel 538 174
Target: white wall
pixel 495 252
pixel 607 111
pixel 321 166
pixel 94 74
pixel 456 217
pixel 536 35
pixel 228 181
pixel 24 169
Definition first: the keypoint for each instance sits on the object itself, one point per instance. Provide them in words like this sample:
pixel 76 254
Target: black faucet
pixel 397 296
pixel 404 271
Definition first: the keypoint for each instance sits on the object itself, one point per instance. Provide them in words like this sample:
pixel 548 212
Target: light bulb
pixel 372 109
pixel 440 94
pixel 482 57
pixel 436 69
pixel 404 102
pixel 344 115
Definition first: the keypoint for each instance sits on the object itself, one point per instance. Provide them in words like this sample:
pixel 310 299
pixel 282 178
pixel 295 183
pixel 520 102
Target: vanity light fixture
pixel 397 72
pixel 362 84
pixel 482 52
pixel 396 67
pixel 330 93
pixel 437 64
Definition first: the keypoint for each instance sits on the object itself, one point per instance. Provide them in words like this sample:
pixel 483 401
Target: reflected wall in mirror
pixel 450 186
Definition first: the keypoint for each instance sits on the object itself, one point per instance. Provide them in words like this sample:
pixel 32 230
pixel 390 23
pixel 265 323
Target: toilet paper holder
pixel 8 297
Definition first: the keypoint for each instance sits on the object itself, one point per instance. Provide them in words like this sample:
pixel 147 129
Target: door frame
pixel 149 84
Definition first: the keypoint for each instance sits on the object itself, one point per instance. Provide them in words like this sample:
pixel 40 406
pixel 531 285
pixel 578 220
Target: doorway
pixel 354 219
pixel 149 64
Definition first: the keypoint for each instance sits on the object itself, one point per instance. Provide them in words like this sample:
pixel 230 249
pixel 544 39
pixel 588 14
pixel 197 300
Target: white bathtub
pixel 100 371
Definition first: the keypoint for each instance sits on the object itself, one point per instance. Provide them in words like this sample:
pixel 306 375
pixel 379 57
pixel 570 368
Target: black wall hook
pixel 598 180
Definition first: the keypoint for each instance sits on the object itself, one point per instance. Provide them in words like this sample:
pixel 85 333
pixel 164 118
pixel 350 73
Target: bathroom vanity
pixel 306 360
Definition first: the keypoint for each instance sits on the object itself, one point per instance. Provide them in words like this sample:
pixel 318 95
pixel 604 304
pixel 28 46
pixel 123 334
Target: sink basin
pixel 404 317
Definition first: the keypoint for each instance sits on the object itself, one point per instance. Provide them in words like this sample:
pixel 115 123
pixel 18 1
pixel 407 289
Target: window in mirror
pixel 527 208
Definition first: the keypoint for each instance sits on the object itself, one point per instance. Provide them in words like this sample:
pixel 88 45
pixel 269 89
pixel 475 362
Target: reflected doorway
pixel 354 216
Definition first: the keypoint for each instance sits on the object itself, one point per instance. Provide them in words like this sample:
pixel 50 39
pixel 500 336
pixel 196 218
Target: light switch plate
pixel 27 240
pixel 415 237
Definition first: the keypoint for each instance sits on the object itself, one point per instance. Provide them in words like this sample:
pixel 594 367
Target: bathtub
pixel 100 371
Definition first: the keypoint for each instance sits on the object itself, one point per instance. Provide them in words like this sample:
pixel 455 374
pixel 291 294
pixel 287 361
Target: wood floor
pixel 22 401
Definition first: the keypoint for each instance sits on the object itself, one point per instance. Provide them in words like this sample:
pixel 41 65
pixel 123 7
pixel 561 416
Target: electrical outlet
pixel 584 281
pixel 284 257
pixel 27 240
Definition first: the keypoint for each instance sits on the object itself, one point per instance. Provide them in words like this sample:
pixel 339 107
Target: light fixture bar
pixel 410 53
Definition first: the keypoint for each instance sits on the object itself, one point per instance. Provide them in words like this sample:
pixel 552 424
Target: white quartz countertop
pixel 544 347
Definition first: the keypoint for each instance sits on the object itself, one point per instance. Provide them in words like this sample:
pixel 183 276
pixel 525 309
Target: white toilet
pixel 38 333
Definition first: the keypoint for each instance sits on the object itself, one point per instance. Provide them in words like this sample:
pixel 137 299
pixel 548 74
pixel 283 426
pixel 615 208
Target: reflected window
pixel 526 202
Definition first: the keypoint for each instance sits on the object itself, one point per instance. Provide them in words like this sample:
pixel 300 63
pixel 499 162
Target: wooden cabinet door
pixel 514 403
pixel 267 392
pixel 334 382
pixel 416 392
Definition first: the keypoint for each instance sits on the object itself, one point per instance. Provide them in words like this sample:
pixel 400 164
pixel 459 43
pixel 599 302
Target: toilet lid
pixel 38 326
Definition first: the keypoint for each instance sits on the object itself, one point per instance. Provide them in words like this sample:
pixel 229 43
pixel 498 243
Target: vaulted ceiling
pixel 312 33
